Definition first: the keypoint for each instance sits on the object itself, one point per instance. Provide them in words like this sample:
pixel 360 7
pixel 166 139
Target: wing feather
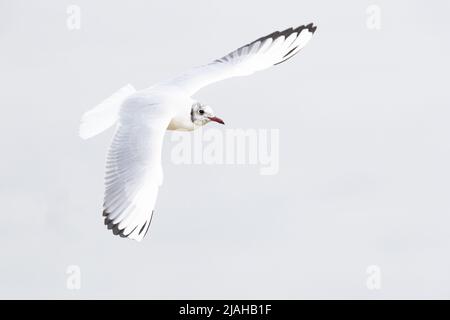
pixel 260 54
pixel 133 168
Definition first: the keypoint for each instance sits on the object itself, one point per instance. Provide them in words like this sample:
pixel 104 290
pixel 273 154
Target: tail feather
pixel 105 114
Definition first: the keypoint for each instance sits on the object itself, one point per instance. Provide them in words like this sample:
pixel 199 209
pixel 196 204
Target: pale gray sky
pixel 364 154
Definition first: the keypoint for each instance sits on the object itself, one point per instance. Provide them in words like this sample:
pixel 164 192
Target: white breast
pixel 181 123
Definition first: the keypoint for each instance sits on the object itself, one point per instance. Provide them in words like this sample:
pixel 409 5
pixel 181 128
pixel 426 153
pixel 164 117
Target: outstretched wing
pixel 133 168
pixel 260 54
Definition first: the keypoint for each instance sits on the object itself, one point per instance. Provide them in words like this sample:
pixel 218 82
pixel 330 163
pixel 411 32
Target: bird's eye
pixel 201 111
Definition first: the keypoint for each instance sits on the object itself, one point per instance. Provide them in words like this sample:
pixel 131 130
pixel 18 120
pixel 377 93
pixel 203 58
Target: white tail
pixel 105 114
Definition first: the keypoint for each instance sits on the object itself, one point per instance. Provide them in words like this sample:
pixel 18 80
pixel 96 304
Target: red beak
pixel 215 119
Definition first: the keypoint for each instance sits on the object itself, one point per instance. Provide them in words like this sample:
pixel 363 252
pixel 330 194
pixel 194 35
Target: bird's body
pixel 133 166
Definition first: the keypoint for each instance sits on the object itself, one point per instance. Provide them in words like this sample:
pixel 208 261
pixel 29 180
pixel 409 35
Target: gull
pixel 133 165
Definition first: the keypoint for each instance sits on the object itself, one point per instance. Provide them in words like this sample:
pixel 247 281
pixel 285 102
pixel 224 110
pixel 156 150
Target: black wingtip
pixel 142 228
pixel 149 223
pixel 311 27
pixel 114 227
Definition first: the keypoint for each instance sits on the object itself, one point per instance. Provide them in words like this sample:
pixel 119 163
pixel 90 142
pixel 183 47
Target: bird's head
pixel 202 114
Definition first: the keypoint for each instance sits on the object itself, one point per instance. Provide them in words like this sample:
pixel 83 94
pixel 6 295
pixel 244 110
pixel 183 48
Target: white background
pixel 364 154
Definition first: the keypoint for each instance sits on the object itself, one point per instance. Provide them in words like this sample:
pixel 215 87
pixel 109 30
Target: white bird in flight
pixel 133 166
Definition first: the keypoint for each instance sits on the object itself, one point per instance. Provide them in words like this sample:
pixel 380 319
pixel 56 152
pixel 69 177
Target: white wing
pixel 133 168
pixel 260 54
